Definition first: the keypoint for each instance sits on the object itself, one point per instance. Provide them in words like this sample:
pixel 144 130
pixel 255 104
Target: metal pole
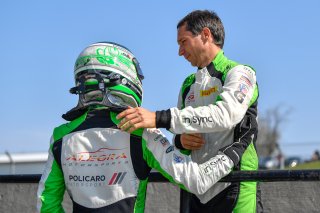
pixel 236 176
pixel 12 165
pixel 260 176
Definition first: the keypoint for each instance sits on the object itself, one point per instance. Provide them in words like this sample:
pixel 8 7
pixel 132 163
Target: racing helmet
pixel 108 74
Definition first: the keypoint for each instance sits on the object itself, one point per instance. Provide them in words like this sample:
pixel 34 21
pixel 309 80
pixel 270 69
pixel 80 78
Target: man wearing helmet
pixel 103 168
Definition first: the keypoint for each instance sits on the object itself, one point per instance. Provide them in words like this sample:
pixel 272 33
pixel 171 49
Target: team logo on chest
pixel 190 98
pixel 208 91
pixel 97 158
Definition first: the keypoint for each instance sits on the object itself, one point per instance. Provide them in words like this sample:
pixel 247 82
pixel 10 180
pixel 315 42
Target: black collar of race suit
pixel 213 71
pixel 78 111
pixel 74 113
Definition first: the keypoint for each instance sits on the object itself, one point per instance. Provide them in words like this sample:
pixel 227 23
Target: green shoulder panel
pixel 113 115
pixel 223 64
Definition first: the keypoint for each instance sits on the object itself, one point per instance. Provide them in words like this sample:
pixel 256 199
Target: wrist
pixel 163 119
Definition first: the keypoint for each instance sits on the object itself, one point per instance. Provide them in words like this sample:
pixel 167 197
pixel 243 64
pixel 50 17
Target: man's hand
pixel 135 118
pixel 192 141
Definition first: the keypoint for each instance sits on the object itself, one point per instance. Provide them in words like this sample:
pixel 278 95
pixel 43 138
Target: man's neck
pixel 211 54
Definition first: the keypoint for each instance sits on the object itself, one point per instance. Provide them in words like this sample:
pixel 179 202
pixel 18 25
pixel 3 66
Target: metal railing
pixel 236 176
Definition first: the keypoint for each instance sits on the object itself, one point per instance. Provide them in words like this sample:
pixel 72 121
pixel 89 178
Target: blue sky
pixel 41 40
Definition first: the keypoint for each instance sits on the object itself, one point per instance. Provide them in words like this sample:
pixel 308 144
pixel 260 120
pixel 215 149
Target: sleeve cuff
pixel 233 153
pixel 163 119
pixel 177 142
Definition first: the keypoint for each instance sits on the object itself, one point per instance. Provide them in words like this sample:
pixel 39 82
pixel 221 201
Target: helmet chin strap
pixel 110 101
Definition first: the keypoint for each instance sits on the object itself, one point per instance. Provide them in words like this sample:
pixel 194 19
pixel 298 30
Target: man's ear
pixel 206 34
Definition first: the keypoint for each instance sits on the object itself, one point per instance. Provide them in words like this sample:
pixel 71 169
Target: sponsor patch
pixel 102 154
pixel 164 141
pixel 248 69
pixel 245 80
pixel 177 159
pixel 208 91
pixel 87 178
pixel 248 72
pixel 197 120
pixel 190 98
pixel 154 130
pixel 239 96
pixel 243 88
pixel 170 149
pixel 209 166
pixel 157 138
pixel 117 178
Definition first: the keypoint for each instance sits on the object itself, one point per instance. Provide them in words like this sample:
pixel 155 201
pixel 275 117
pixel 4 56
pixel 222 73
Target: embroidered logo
pixel 117 178
pixel 208 91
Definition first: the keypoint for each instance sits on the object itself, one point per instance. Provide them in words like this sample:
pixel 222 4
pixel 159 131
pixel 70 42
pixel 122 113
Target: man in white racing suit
pixel 220 102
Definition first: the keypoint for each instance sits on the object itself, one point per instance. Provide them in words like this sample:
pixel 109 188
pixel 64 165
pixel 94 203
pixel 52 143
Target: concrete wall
pixel 277 197
pixel 22 168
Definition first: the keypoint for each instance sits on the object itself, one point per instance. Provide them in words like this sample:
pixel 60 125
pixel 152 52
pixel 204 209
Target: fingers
pixel 192 141
pixel 129 118
pixel 131 125
pixel 190 147
pixel 135 118
pixel 193 138
pixel 126 112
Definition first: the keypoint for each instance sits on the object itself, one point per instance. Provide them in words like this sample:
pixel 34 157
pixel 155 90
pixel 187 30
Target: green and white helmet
pixel 108 74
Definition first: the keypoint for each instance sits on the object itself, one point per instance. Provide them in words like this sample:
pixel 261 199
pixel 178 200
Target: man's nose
pixel 181 51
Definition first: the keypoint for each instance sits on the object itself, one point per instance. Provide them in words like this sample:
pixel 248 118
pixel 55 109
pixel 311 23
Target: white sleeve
pixel 179 168
pixel 179 106
pixel 238 90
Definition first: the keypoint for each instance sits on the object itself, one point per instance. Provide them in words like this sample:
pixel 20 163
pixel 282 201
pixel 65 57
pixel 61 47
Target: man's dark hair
pixel 198 19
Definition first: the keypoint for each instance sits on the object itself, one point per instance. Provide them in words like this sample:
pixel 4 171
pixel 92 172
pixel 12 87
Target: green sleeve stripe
pixel 141 197
pixel 249 159
pixel 53 193
pixel 248 190
pixel 255 95
pixel 153 163
pixel 64 129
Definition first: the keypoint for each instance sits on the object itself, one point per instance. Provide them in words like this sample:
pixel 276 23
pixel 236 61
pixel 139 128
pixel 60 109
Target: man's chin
pixel 192 64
